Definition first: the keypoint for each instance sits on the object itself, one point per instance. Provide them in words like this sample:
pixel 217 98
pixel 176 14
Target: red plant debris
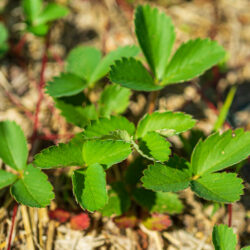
pixel 80 221
pixel 60 215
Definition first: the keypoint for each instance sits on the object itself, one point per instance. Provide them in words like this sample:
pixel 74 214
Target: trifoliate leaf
pixel 82 61
pixel 224 238
pixel 51 12
pixel 32 9
pixel 62 155
pixel 89 186
pixel 215 187
pixel 119 200
pixel 114 100
pixel 155 146
pixel 104 66
pixel 220 151
pixel 130 73
pixel 6 178
pixel 77 115
pixel 33 189
pixel 104 126
pixel 105 152
pixel 160 202
pixel 13 145
pixel 171 177
pixel 65 85
pixel 156 36
pixel 192 59
pixel 166 123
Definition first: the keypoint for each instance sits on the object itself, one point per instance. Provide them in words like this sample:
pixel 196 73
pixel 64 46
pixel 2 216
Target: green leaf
pixel 130 73
pixel 246 248
pixel 119 200
pixel 105 152
pixel 104 126
pixel 6 178
pixel 65 85
pixel 160 202
pixel 172 177
pixel 215 187
pixel 62 155
pixel 89 186
pixel 33 188
pixel 156 36
pixel 82 61
pixel 192 59
pixel 51 12
pixel 166 123
pixel 104 66
pixel 155 146
pixel 224 238
pixel 114 100
pixel 77 115
pixel 13 145
pixel 220 151
pixel 39 30
pixel 4 34
pixel 32 9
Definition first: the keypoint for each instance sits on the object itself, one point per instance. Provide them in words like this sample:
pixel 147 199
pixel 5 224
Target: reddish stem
pixel 230 214
pixel 12 225
pixel 18 48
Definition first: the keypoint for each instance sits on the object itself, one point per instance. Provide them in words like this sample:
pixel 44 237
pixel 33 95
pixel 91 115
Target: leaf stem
pixel 12 225
pixel 230 214
pixel 152 101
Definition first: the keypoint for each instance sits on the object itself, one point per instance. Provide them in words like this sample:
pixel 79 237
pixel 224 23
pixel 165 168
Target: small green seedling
pixel 38 17
pixel 28 185
pixel 225 239
pixel 3 40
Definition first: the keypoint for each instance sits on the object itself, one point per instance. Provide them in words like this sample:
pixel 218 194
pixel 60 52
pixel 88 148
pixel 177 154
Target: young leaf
pixel 89 186
pixel 215 187
pixel 82 61
pixel 105 152
pixel 65 85
pixel 33 188
pixel 192 59
pixel 51 12
pixel 172 177
pixel 220 151
pixel 32 9
pixel 13 145
pixel 62 155
pixel 166 123
pixel 39 30
pixel 154 145
pixel 119 200
pixel 114 100
pixel 224 238
pixel 104 66
pixel 104 126
pixel 77 115
pixel 160 202
pixel 6 178
pixel 130 73
pixel 156 36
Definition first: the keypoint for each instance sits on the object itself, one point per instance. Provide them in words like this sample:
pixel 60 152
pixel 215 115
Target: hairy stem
pixel 152 101
pixel 230 214
pixel 12 225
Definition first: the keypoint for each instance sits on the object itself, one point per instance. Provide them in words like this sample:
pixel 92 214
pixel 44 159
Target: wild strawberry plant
pixel 108 138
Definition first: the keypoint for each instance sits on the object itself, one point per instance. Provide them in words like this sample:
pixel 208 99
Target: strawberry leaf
pixel 114 100
pixel 33 189
pixel 13 145
pixel 6 178
pixel 192 59
pixel 106 125
pixel 65 85
pixel 166 123
pixel 156 36
pixel 172 177
pixel 214 187
pixel 220 151
pixel 89 186
pixel 160 202
pixel 224 238
pixel 106 152
pixel 62 155
pixel 130 73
